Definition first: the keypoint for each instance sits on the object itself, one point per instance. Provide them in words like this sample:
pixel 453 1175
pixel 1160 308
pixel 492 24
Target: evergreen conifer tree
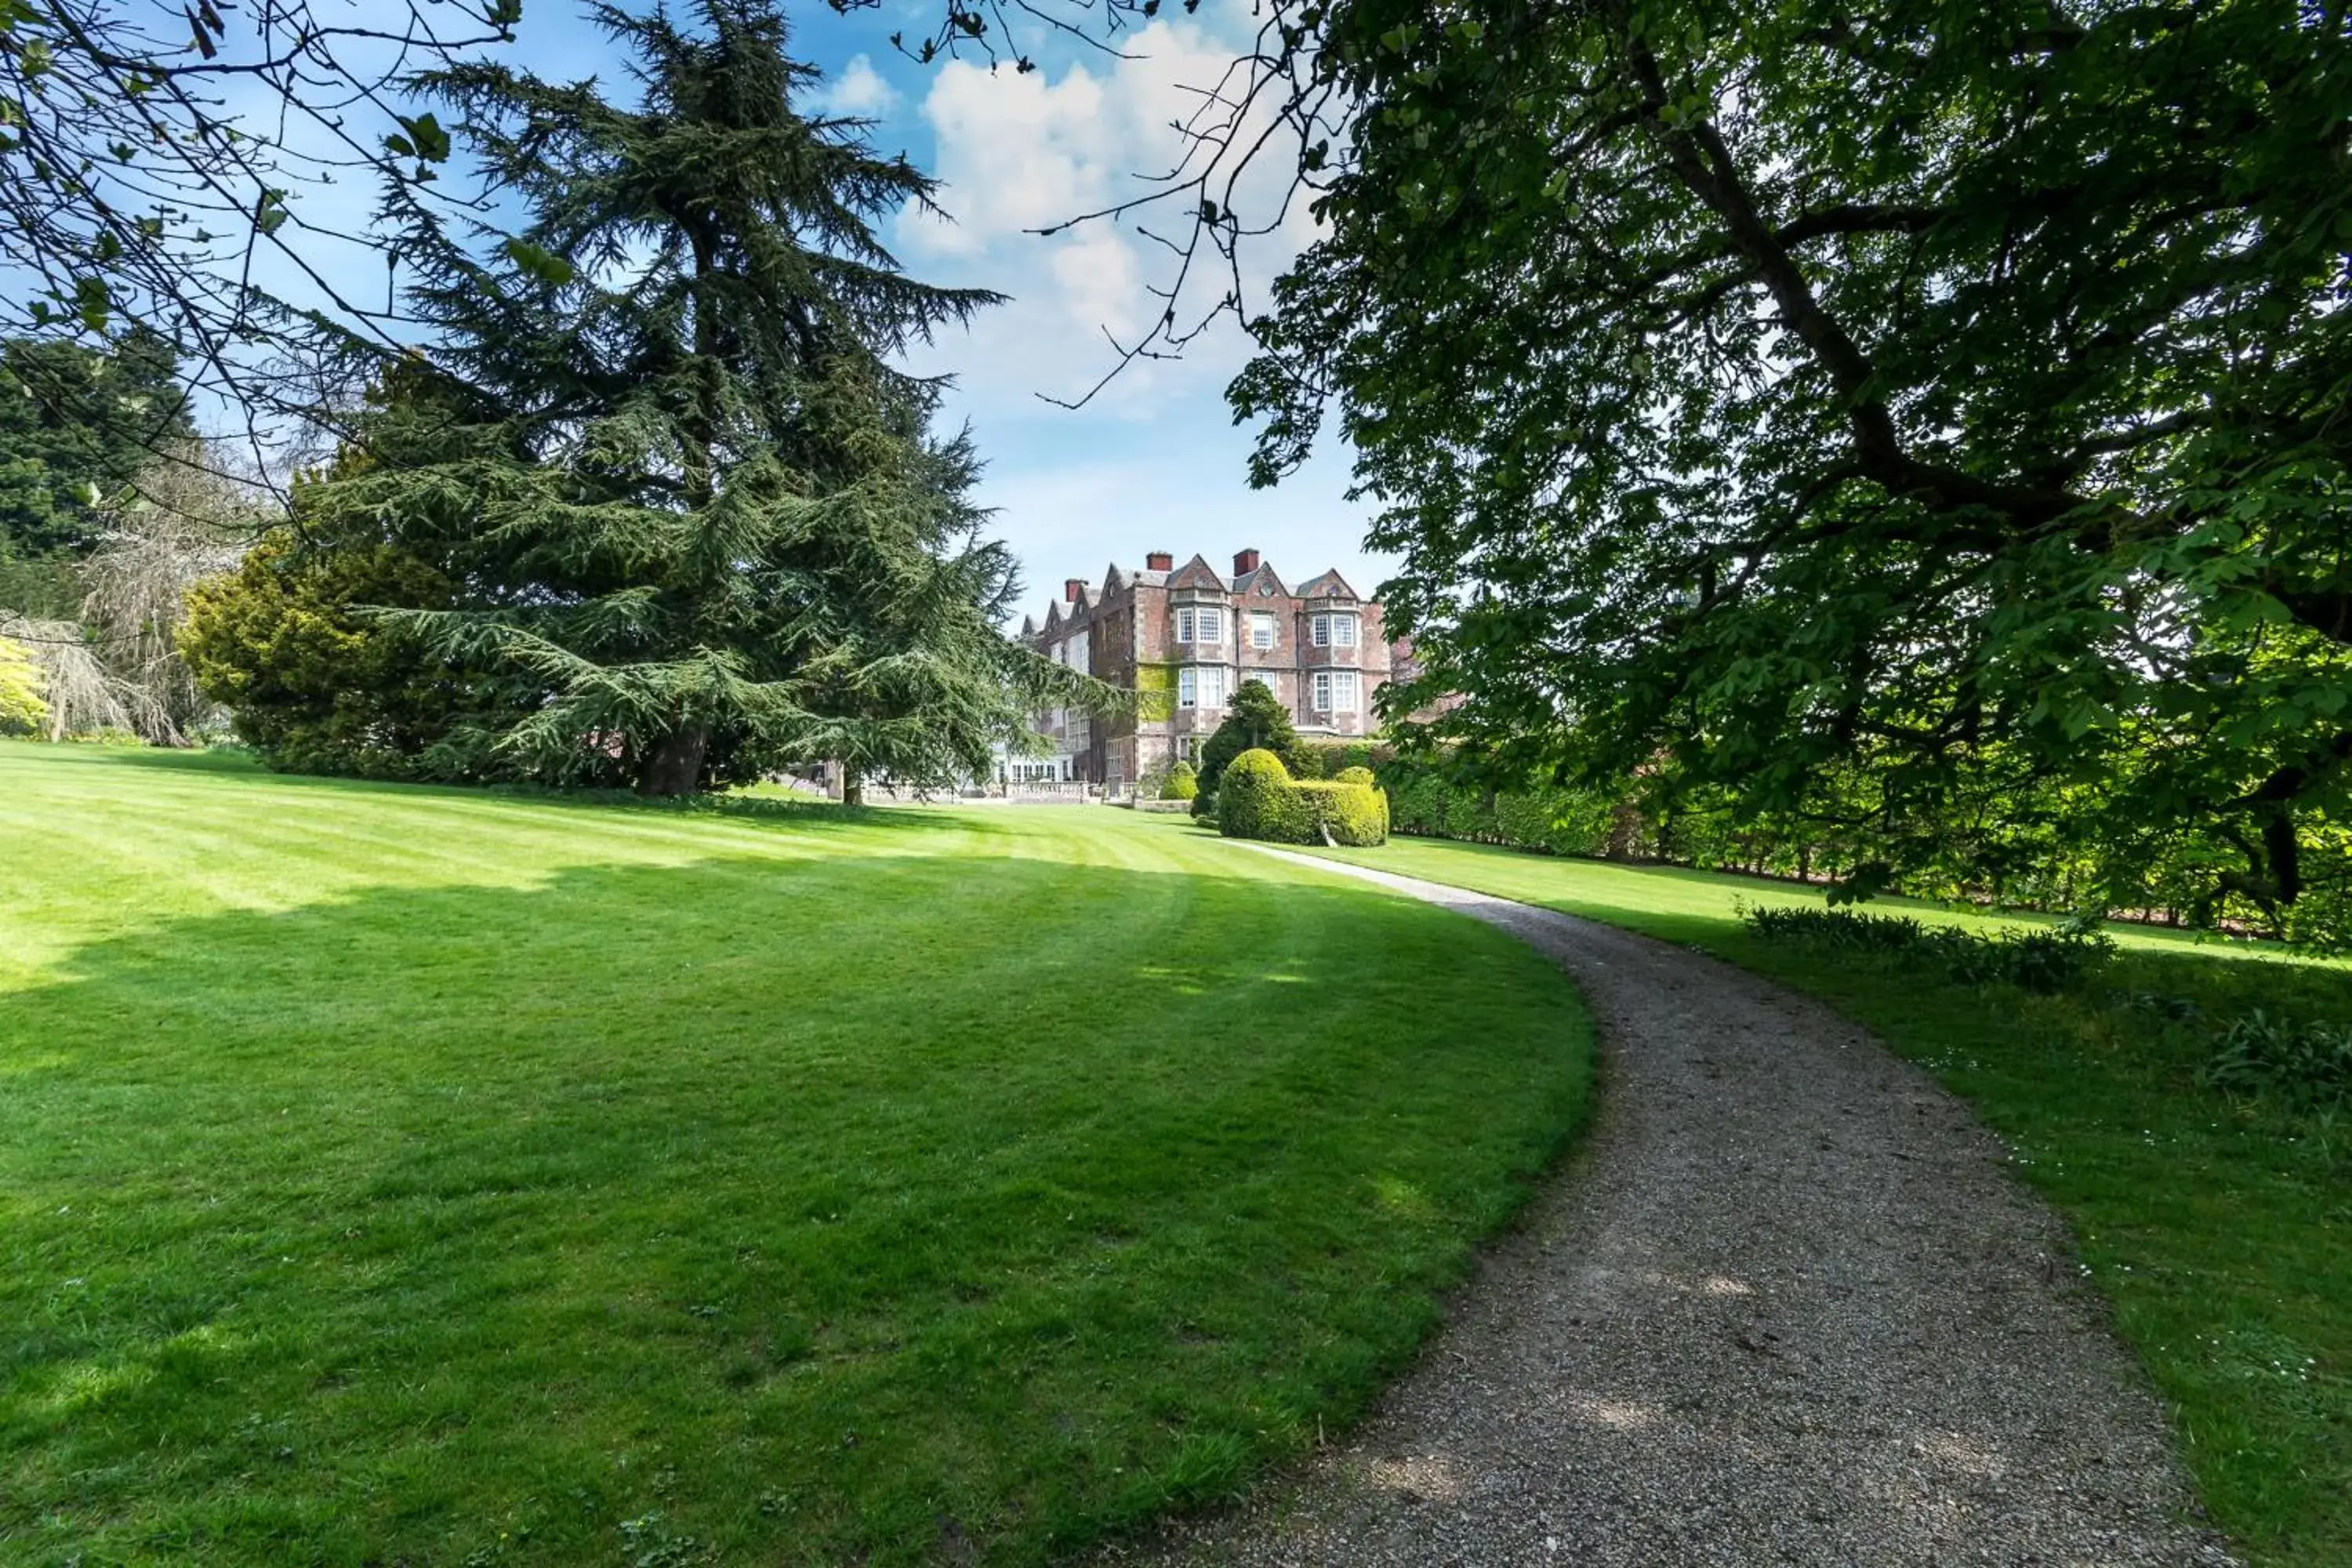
pixel 1255 722
pixel 663 441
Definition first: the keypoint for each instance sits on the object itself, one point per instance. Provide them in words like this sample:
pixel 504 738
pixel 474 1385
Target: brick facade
pixel 1185 637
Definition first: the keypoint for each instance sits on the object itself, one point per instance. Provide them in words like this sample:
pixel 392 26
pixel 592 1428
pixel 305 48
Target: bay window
pixel 1334 629
pixel 1200 623
pixel 1334 691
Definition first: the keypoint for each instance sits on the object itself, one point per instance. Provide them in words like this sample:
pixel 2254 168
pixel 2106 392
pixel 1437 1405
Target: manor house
pixel 1185 638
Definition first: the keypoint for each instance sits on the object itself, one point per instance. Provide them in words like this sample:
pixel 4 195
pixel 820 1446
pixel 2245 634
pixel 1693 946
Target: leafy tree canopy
pixel 689 506
pixel 152 153
pixel 1913 396
pixel 76 427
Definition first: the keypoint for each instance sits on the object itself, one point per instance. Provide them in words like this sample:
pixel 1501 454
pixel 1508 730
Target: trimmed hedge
pixel 1329 759
pixel 1182 784
pixel 1551 820
pixel 1249 797
pixel 1258 799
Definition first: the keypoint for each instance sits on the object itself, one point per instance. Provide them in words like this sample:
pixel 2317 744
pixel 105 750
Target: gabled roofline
pixel 1321 586
pixel 1250 583
pixel 1215 578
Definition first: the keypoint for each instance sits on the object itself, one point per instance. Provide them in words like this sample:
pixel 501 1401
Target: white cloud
pixel 1154 461
pixel 1021 153
pixel 857 91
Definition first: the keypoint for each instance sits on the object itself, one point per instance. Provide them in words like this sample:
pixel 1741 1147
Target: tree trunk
pixel 1625 831
pixel 674 766
pixel 853 786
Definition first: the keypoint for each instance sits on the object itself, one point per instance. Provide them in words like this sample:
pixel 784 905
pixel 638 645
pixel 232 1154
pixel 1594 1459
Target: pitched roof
pixel 1260 580
pixel 1328 585
pixel 1196 574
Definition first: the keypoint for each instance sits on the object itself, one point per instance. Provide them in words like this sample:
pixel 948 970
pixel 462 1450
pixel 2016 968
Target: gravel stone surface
pixel 1786 1307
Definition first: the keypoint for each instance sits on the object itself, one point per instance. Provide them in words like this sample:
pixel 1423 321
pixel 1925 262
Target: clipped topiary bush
pixel 1353 813
pixel 1365 777
pixel 1182 784
pixel 1251 797
pixel 1258 799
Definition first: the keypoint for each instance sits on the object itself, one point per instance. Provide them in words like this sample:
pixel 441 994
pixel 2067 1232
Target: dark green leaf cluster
pixel 2307 1065
pixel 689 506
pixel 2045 962
pixel 1857 408
pixel 75 427
pixel 1255 721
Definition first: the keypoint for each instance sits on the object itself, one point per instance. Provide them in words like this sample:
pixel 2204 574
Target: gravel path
pixel 1787 1307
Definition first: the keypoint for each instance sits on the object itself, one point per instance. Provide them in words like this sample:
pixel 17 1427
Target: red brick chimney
pixel 1244 563
pixel 1070 586
pixel 1159 561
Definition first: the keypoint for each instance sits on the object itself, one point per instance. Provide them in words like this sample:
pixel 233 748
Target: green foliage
pixel 42 587
pixel 311 684
pixel 1255 720
pixel 1155 692
pixel 2305 1065
pixel 2046 961
pixel 1182 784
pixel 1872 414
pixel 77 426
pixel 1254 800
pixel 1351 813
pixel 22 710
pixel 699 526
pixel 1429 800
pixel 1258 799
pixel 1328 759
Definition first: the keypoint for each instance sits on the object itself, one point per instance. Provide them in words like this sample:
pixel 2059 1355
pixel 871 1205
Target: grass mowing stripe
pixel 889 1186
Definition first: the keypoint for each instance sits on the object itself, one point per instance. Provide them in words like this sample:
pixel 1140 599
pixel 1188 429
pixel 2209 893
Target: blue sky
pixel 1155 462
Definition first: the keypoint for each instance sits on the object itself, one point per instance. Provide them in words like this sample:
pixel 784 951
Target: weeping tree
pixel 187 518
pixel 692 507
pixel 117 666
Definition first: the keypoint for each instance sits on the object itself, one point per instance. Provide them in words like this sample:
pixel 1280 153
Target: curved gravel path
pixel 1786 1307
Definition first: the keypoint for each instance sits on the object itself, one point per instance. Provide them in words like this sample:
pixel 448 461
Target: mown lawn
pixel 2221 1231
pixel 394 1175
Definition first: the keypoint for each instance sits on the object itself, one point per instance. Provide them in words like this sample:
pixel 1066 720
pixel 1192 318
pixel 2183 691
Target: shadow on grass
pixel 237 763
pixel 842 1206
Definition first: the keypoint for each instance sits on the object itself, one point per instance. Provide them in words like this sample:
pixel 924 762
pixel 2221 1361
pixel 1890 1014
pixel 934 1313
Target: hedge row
pixel 1259 799
pixel 1556 821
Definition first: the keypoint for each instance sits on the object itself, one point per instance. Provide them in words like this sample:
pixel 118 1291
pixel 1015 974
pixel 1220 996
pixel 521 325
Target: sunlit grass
pixel 409 1175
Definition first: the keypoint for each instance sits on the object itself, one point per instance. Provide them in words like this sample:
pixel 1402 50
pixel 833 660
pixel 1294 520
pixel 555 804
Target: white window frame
pixel 1264 677
pixel 1262 630
pixel 1203 624
pixel 1334 628
pixel 1201 686
pixel 1329 685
